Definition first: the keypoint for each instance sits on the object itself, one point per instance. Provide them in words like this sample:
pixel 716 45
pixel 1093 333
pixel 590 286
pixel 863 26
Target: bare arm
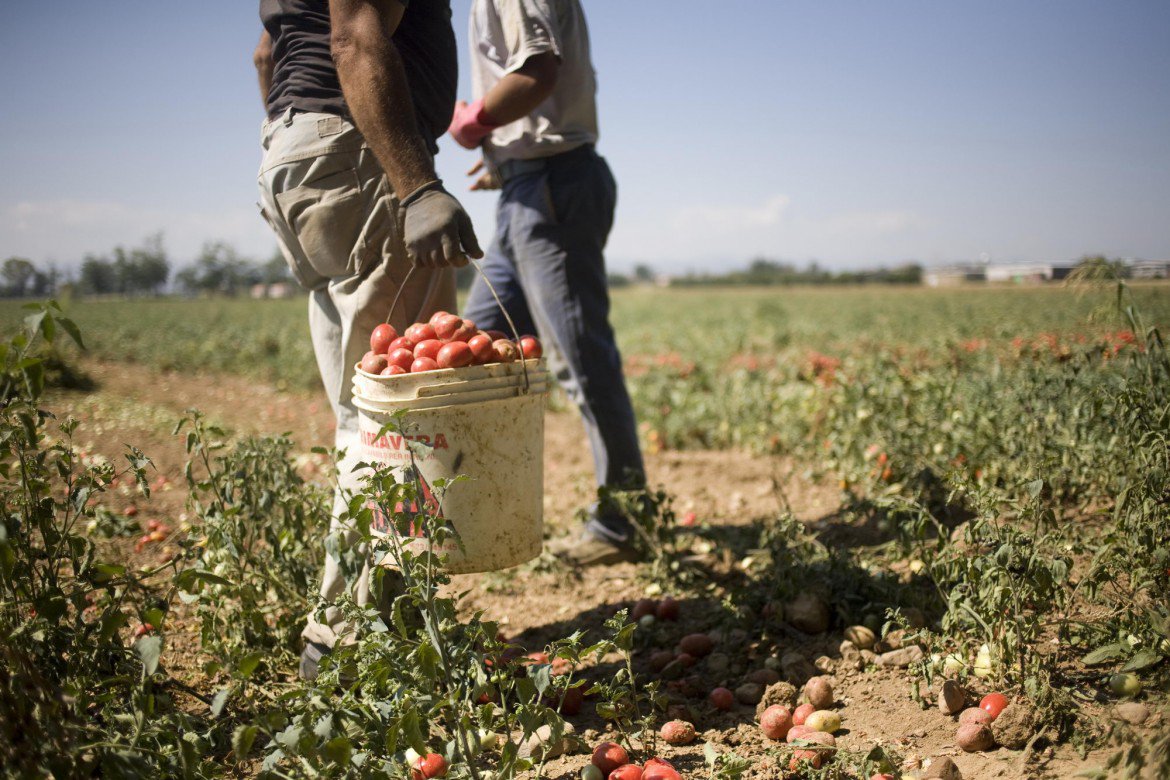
pixel 374 84
pixel 518 93
pixel 262 59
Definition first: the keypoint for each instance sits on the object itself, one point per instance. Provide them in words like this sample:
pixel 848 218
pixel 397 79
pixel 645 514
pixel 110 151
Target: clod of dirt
pixel 1132 712
pixel 764 677
pixel 851 656
pixel 861 637
pixel 819 692
pixel 942 769
pixel 974 737
pixel 718 664
pixel 541 745
pixel 1014 726
pixel 824 664
pixel 951 698
pixel 796 669
pixel 749 693
pixel 902 657
pixel 781 693
pixel 807 613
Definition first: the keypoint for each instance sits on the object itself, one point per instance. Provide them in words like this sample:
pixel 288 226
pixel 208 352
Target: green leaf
pixel 1142 659
pixel 70 327
pixel 242 739
pixel 219 701
pixel 338 750
pixel 149 648
pixel 247 665
pixel 1105 654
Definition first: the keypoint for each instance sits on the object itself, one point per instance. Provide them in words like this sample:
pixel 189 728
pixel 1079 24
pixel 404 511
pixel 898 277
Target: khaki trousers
pixel 338 225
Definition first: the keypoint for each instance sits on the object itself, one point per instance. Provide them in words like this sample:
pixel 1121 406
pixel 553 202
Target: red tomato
pixel 881 777
pixel 143 630
pixel 667 609
pixel 392 370
pixel 643 607
pixel 608 756
pixel 381 337
pixel 993 704
pixel 626 772
pixel 801 713
pixel 419 331
pixel 428 348
pixel 402 342
pixel 574 698
pixel 455 355
pixel 438 316
pixel 506 351
pixel 659 769
pixel 401 358
pixel 496 334
pixel 423 364
pixel 530 346
pixel 722 699
pixel 374 364
pixel 481 348
pixel 776 722
pixel 428 766
pixel 446 326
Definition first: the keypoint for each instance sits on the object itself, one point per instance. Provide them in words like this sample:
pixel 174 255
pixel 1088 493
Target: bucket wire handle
pixel 492 289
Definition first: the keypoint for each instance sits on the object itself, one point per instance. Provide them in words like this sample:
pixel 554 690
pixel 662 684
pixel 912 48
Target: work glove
pixel 471 123
pixel 436 230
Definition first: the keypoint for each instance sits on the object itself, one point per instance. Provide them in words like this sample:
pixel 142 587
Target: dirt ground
pixel 134 405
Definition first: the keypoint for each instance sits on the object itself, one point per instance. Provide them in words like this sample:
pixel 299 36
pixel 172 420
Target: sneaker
pixel 589 549
pixel 311 659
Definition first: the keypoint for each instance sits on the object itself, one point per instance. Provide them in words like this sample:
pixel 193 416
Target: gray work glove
pixel 436 229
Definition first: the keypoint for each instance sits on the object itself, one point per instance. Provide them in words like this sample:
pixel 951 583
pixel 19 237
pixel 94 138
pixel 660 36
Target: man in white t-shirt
pixel 535 117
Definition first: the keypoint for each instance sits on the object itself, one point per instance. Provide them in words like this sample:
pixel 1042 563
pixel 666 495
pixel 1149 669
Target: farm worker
pixel 356 93
pixel 535 117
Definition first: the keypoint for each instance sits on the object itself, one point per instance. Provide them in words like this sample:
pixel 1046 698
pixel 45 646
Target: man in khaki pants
pixel 356 93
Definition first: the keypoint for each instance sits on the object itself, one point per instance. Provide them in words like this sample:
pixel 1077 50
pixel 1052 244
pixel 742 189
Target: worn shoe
pixel 589 549
pixel 311 659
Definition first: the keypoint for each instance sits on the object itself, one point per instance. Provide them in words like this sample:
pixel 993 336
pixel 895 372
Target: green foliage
pixel 78 694
pixel 255 554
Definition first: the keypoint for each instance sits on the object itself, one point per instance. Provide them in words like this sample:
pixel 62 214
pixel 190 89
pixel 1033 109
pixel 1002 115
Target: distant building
pixel 1020 273
pixel 951 275
pixel 274 290
pixel 1149 269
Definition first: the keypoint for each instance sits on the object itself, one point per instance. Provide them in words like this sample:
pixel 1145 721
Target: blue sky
pixel 853 133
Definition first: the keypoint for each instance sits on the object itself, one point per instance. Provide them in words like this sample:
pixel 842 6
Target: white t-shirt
pixel 505 33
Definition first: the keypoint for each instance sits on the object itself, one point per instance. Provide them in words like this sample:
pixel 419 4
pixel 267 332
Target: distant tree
pixel 275 270
pixel 18 275
pixel 219 269
pixel 97 276
pixel 643 273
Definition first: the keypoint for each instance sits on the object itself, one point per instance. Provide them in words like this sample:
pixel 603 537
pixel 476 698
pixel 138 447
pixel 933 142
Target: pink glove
pixel 471 124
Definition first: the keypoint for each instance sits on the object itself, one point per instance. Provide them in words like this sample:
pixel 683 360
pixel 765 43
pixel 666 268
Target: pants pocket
pixel 327 217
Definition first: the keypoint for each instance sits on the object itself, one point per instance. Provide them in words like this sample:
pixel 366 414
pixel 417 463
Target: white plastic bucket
pixel 485 425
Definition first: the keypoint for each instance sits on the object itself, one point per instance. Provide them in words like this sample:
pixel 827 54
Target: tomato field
pixel 890 532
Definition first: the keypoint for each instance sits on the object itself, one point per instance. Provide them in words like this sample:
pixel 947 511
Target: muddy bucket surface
pixel 497 444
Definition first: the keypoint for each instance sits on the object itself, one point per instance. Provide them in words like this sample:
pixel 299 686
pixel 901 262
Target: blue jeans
pixel 547 264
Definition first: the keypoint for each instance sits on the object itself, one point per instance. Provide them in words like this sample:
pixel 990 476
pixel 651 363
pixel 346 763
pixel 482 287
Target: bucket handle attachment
pixel 492 289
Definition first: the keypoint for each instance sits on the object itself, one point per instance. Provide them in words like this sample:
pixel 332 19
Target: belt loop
pixel 288 116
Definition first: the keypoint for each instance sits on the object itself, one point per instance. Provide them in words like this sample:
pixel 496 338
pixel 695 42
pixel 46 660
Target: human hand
pixel 436 230
pixel 488 180
pixel 471 123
